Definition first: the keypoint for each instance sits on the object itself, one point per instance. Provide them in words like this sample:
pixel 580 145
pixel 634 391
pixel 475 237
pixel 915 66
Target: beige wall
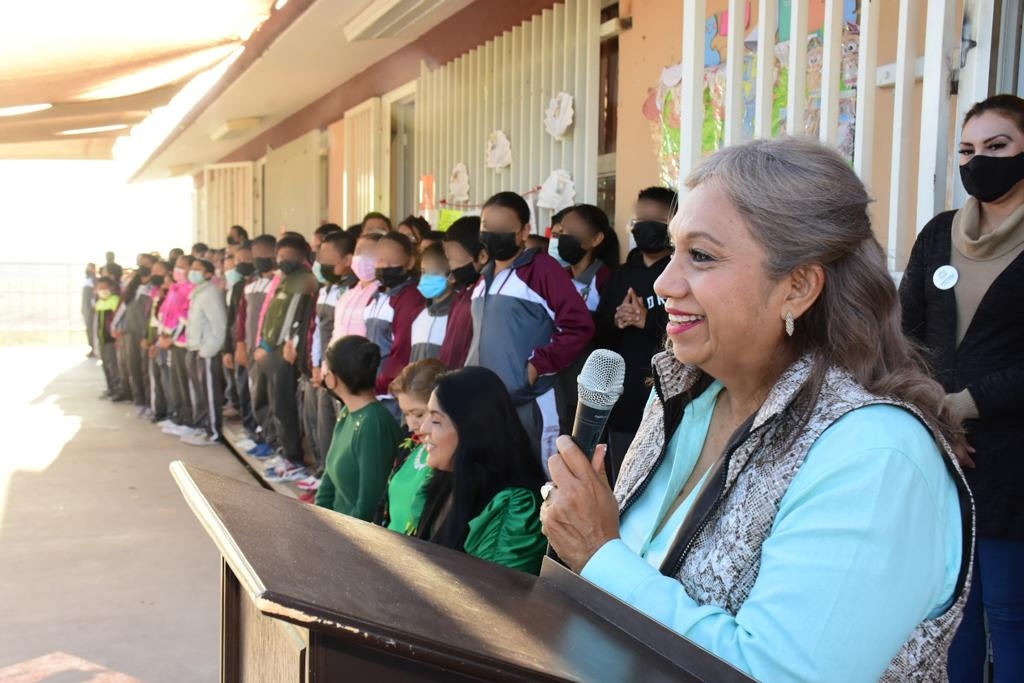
pixel 335 172
pixel 293 185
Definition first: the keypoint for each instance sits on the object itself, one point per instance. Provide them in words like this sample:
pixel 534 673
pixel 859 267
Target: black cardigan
pixel 989 363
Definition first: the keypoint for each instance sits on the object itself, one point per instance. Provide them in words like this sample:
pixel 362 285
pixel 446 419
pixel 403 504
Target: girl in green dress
pixel 484 495
pixel 407 488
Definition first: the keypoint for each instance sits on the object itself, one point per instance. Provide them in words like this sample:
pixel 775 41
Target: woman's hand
pixel 580 514
pixel 963 450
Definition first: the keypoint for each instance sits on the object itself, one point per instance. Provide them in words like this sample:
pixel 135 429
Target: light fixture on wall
pixel 388 18
pixel 234 128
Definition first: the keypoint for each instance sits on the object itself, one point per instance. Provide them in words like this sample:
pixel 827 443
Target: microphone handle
pixel 589 426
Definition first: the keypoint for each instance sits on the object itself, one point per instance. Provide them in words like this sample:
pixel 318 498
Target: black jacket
pixel 636 346
pixel 989 362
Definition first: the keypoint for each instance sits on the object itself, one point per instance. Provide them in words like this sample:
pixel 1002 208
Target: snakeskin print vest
pixel 717 553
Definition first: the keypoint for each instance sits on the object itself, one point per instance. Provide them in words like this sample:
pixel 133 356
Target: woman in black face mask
pixel 961 296
pixel 392 310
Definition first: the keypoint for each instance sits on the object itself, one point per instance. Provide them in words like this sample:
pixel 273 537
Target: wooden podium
pixel 311 595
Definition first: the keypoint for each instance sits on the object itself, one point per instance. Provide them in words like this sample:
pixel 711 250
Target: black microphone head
pixel 600 381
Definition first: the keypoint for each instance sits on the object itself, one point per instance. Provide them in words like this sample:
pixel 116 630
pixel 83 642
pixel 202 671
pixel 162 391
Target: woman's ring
pixel 546 490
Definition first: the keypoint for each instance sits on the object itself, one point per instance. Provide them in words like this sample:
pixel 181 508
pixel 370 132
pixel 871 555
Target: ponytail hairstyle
pixel 597 220
pixel 354 360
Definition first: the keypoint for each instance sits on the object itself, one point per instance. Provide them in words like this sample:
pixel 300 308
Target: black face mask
pixel 464 276
pixel 245 269
pixel 651 236
pixel 264 264
pixel 500 246
pixel 329 275
pixel 289 267
pixel 390 277
pixel 989 178
pixel 143 271
pixel 156 280
pixel 569 249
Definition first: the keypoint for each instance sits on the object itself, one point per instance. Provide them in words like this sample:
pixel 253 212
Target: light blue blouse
pixel 866 545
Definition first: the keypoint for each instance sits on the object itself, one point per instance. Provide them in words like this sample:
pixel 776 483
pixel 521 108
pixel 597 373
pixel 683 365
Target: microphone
pixel 599 386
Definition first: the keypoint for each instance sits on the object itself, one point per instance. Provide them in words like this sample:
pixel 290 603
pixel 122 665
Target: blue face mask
pixel 195 277
pixel 553 252
pixel 233 277
pixel 318 271
pixel 432 286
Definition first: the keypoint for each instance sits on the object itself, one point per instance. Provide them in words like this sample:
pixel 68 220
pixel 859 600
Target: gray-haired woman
pixel 790 501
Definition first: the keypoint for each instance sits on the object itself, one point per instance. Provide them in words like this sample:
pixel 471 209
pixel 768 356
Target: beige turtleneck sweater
pixel 979 259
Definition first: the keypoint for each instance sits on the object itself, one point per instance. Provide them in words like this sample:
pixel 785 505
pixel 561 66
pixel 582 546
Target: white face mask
pixel 553 252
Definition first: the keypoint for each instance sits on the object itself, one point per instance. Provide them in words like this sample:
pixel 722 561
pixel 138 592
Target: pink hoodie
pixel 174 312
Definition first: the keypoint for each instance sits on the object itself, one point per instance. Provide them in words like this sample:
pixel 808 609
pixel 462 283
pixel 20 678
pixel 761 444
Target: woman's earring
pixel 790 324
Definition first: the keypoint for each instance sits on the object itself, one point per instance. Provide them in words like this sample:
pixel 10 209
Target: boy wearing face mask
pixel 107 302
pixel 238 270
pixel 631 318
pixel 256 414
pixel 207 320
pixel 350 307
pixel 281 351
pixel 529 322
pixel 391 312
pixel 156 359
pixel 334 266
pixel 173 317
pixel 429 327
pixel 137 303
pixel 466 257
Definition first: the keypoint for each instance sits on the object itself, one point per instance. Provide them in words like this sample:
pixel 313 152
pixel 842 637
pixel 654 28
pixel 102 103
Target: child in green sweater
pixel 366 437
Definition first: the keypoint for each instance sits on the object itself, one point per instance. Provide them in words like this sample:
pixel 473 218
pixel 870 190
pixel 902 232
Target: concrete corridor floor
pixel 105 574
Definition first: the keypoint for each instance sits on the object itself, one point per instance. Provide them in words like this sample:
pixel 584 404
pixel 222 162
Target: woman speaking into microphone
pixel 790 501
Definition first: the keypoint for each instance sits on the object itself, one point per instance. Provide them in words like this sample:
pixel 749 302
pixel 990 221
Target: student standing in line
pixel 429 327
pixel 334 263
pixel 281 353
pixel 134 324
pixel 390 314
pixel 349 311
pixel 107 302
pixel 173 321
pixel 240 269
pixel 256 416
pixel 529 322
pixel 466 258
pixel 154 357
pixel 631 318
pixel 207 322
pixel 88 312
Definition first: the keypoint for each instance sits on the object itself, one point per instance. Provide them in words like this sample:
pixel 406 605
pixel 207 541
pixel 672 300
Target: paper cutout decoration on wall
pixel 725 24
pixel 711 55
pixel 498 152
pixel 558 116
pixel 458 184
pixel 557 192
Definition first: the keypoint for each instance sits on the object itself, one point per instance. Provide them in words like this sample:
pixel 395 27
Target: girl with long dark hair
pixel 483 498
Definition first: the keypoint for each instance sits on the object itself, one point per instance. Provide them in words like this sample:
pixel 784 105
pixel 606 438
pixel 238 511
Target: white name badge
pixel 945 277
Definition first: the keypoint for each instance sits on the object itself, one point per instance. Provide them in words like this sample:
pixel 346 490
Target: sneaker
pixel 261 450
pixel 164 424
pixel 120 398
pixel 245 445
pixel 275 465
pixel 105 396
pixel 293 472
pixel 140 411
pixel 177 430
pixel 310 483
pixel 200 439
